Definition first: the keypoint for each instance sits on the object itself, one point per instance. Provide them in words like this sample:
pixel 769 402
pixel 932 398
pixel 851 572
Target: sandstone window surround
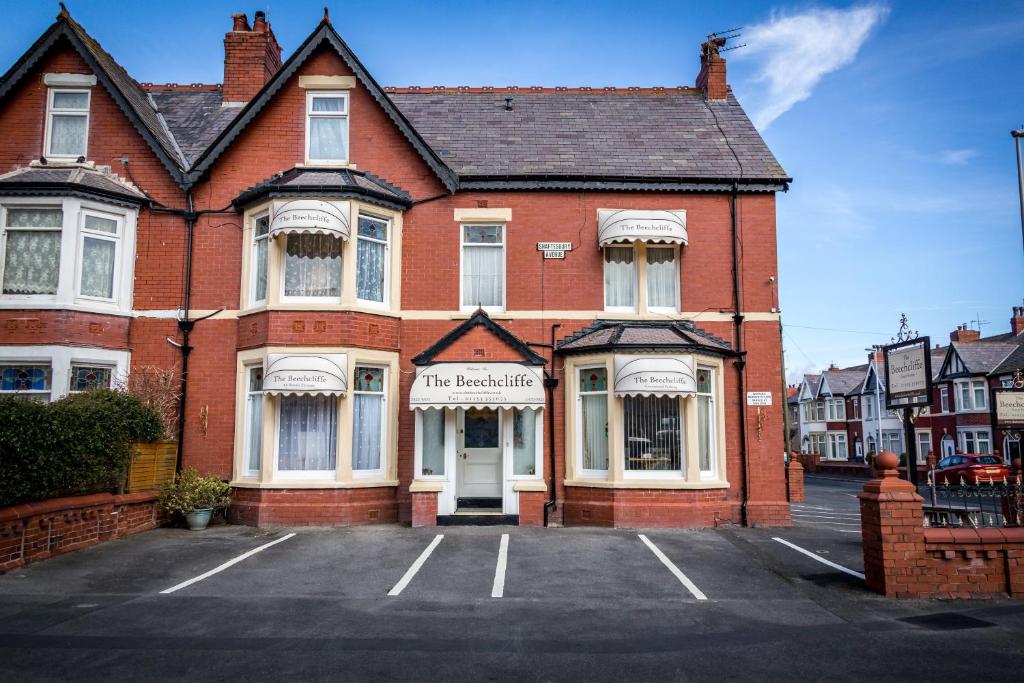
pixel 616 439
pixel 343 437
pixel 357 268
pixel 66 253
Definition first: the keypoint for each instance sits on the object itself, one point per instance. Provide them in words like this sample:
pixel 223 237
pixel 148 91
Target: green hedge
pixel 79 444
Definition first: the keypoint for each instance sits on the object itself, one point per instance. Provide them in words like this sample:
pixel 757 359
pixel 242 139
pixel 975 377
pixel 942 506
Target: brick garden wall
pixel 36 531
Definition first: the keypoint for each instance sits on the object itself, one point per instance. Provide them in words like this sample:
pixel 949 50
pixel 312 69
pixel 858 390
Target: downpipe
pixel 550 384
pixel 741 361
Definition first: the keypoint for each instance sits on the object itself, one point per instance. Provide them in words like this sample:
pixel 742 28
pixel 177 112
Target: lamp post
pixel 1017 135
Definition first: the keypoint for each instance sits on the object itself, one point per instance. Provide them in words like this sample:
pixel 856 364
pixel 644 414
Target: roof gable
pixel 475 329
pixel 133 101
pixel 324 33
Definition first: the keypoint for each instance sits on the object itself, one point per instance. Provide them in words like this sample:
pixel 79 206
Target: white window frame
pixel 972 386
pixel 944 399
pixel 580 470
pixel 888 437
pixel 51 111
pixel 247 423
pixel 977 435
pixel 283 270
pixel 463 245
pixel 636 279
pixel 377 473
pixel 922 454
pixel 62 358
pixel 254 262
pixel 647 278
pixel 832 444
pixel 712 474
pixel 836 409
pixel 386 293
pixel 818 440
pixel 343 115
pixel 115 237
pixel 5 230
pixel 855 404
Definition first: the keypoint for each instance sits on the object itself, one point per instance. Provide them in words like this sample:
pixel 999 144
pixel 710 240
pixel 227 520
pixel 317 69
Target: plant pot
pixel 198 519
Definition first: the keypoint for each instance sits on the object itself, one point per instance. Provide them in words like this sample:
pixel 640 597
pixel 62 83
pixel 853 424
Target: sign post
pixel 908 386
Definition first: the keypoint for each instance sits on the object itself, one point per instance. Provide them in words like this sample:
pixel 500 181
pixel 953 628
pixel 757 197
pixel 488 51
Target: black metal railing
pixel 963 505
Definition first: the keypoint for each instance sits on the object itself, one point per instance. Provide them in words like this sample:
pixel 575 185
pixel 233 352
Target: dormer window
pixel 327 127
pixel 67 123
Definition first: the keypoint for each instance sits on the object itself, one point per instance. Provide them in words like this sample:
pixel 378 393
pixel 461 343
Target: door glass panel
pixel 481 430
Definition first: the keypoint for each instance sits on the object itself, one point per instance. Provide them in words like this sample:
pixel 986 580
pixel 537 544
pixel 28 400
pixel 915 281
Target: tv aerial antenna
pixel 718 39
pixel 979 322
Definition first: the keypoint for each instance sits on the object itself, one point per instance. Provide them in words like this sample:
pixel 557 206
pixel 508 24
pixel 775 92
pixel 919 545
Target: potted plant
pixel 195 497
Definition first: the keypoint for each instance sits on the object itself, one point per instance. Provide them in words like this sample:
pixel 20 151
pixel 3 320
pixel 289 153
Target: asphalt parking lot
pixel 464 603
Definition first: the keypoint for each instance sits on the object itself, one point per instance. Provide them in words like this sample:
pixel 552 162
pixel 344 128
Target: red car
pixel 973 468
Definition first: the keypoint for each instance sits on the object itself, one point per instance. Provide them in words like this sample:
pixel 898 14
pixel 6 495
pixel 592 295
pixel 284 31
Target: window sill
pixel 649 484
pixel 312 484
pixel 8 303
pixel 312 306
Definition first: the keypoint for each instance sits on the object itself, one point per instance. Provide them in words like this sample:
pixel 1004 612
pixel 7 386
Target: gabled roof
pixel 479 318
pixel 76 179
pixel 125 91
pixel 195 116
pixel 982 357
pixel 324 33
pixel 643 335
pixel 1014 361
pixel 323 182
pixel 671 134
pixel 845 382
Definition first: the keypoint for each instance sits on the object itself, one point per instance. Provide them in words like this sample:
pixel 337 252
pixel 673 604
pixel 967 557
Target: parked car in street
pixel 972 468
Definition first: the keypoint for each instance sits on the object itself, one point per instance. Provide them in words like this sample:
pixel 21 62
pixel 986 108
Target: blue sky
pixel 893 118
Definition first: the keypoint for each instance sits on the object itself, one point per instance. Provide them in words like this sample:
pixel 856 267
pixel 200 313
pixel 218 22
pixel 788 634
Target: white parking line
pixel 804 515
pixel 404 581
pixel 499 571
pixel 811 555
pixel 216 570
pixel 690 586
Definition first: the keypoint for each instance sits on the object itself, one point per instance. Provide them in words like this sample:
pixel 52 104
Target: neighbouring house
pixel 388 304
pixel 959 420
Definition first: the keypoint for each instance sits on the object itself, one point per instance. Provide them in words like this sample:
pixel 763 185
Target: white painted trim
pixel 69 80
pixel 51 112
pixel 344 115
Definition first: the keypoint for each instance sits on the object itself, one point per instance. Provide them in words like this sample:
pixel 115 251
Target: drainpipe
pixel 741 362
pixel 550 383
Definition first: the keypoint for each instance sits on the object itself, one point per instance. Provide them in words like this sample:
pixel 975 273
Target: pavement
pixel 493 603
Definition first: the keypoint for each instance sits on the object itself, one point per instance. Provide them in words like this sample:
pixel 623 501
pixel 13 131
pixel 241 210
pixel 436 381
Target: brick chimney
pixel 251 57
pixel 711 78
pixel 1017 321
pixel 963 334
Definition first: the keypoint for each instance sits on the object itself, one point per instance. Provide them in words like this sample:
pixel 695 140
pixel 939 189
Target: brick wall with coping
pixel 795 481
pixel 35 531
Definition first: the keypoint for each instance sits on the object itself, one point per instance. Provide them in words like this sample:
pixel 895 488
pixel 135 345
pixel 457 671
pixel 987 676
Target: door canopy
pixel 306 374
pixel 631 225
pixel 478 385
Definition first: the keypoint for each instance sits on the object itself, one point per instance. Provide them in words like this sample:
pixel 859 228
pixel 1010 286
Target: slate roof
pixel 478 318
pixel 83 179
pixel 672 135
pixel 983 356
pixel 194 117
pixel 612 335
pixel 341 183
pixel 1015 361
pixel 844 382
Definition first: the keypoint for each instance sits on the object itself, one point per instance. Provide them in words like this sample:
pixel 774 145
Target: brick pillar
pixel 892 527
pixel 795 481
pixel 424 502
pixel 532 495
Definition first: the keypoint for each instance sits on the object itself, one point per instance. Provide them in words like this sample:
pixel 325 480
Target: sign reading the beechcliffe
pixel 468 385
pixel 1009 405
pixel 908 374
pixel 310 215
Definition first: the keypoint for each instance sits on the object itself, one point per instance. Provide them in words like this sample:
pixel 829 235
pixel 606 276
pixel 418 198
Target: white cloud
pixel 956 157
pixel 797 50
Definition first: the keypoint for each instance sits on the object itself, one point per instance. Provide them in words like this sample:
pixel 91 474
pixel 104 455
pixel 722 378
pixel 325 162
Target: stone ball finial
pixel 887 460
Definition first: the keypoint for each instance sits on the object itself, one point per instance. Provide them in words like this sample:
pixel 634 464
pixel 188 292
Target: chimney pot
pixel 1017 321
pixel 259 22
pixel 711 78
pixel 240 22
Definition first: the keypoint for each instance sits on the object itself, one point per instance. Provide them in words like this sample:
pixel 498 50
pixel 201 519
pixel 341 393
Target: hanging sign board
pixel 1009 404
pixel 554 246
pixel 759 398
pixel 908 374
pixel 478 385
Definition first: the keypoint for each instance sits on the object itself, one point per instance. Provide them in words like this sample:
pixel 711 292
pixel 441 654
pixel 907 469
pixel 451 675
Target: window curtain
pixel 98 267
pixel 704 432
pixel 67 135
pixel 483 276
pixel 308 433
pixel 367 415
pixel 313 266
pixel 652 432
pixel 662 277
pixel 255 431
pixel 524 441
pixel 32 262
pixel 432 438
pixel 619 278
pixel 370 271
pixel 595 432
pixel 328 135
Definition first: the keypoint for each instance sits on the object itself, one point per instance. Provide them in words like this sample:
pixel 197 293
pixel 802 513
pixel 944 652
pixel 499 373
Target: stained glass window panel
pixel 370 380
pixel 594 379
pixel 87 378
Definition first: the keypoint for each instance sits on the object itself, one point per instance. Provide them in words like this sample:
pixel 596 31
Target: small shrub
pixel 193 491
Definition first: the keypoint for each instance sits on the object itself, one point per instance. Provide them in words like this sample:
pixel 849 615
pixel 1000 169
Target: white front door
pixel 478 459
pixel 948 447
pixel 859 448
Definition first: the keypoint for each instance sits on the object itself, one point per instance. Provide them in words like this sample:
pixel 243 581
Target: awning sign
pixel 310 216
pixel 478 385
pixel 630 225
pixel 654 376
pixel 306 374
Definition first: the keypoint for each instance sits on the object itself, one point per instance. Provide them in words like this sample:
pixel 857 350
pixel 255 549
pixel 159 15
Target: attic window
pixel 327 127
pixel 67 123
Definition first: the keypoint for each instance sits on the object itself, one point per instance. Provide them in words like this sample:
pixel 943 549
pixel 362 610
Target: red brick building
pixel 391 304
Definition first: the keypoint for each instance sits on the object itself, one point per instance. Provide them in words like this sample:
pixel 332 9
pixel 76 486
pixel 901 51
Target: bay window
pixel 67 123
pixel 312 266
pixel 308 435
pixel 972 395
pixel 253 445
pixel 368 421
pixel 653 433
pixel 836 409
pixel 619 279
pixel 32 250
pixel 975 441
pixel 372 259
pixel 260 247
pixel 593 421
pixel 838 448
pixel 817 444
pixel 483 266
pixel 327 127
pixel 707 439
